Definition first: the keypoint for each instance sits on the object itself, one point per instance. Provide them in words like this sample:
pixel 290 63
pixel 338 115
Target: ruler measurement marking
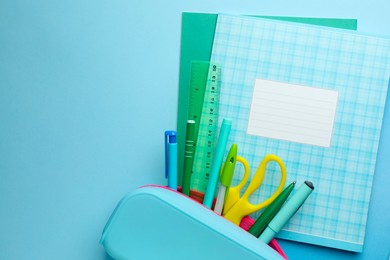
pixel 207 130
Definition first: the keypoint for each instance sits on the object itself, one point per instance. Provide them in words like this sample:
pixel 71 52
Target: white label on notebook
pixel 292 112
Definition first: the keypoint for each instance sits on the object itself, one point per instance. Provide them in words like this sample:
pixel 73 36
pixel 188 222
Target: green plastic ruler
pixel 198 81
pixel 207 117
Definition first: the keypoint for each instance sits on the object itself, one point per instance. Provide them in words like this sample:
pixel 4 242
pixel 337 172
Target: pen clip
pixel 170 138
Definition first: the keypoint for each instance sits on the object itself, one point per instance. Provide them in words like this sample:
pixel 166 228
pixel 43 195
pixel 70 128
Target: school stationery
pixel 269 213
pixel 226 178
pixel 238 206
pixel 287 211
pixel 153 222
pixel 196 43
pixel 171 159
pixel 189 156
pixel 217 162
pixel 262 57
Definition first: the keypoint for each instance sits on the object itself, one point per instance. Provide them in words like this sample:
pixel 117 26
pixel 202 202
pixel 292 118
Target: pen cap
pixel 190 130
pixel 228 168
pixel 226 125
pixel 169 138
pixel 172 139
pixel 291 206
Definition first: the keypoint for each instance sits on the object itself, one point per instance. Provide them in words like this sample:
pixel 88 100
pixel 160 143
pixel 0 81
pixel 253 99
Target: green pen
pixel 188 156
pixel 226 178
pixel 287 211
pixel 270 212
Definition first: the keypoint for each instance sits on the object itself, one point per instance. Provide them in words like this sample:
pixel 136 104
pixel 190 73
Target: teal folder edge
pixel 197 37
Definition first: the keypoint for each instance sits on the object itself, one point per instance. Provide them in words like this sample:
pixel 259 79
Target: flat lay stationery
pixel 292 97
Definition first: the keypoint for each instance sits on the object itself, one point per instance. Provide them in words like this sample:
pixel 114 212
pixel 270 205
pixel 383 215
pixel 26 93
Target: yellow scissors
pixel 237 207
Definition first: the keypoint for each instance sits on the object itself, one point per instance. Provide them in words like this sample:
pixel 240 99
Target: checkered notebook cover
pixel 358 68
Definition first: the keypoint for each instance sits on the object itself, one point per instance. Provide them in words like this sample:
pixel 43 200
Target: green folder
pixel 197 37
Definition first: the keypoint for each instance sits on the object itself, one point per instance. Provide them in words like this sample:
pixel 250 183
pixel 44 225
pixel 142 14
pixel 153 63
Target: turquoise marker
pixel 171 159
pixel 287 211
pixel 217 162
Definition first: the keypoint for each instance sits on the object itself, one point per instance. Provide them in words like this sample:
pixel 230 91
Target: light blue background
pixel 87 89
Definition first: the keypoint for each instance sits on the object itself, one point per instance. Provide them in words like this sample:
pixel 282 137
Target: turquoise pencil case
pixel 154 222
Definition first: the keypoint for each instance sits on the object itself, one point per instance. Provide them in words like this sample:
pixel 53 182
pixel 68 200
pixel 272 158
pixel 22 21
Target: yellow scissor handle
pixel 233 193
pixel 243 207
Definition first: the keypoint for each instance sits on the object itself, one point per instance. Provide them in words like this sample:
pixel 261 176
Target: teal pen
pixel 287 211
pixel 171 159
pixel 217 162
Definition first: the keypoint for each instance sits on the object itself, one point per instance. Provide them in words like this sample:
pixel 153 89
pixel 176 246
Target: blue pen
pixel 217 162
pixel 171 159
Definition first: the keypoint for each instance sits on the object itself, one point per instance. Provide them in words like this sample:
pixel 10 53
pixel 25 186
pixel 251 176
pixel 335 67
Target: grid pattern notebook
pixel 260 55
